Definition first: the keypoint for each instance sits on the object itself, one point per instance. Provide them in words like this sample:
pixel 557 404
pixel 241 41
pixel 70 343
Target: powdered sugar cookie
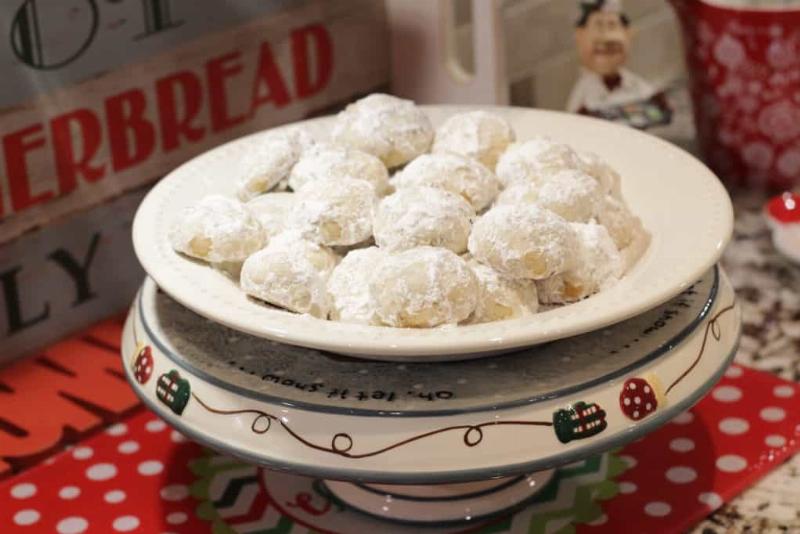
pixel 217 229
pixel 269 160
pixel 597 264
pixel 523 241
pixel 417 216
pixel 479 135
pixel 348 287
pixel 532 160
pixel 500 297
pixel 393 129
pixel 452 172
pixel 572 194
pixel 325 161
pixel 424 287
pixel 619 221
pixel 335 211
pixel 273 211
pixel 290 272
pixel 608 179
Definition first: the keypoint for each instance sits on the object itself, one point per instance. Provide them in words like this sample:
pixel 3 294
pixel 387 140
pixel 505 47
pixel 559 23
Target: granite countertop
pixel 768 287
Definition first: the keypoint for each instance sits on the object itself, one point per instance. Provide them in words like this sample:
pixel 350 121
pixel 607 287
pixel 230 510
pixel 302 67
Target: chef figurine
pixel 605 88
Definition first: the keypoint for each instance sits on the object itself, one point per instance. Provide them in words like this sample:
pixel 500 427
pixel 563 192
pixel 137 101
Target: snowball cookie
pixel 597 265
pixel 348 286
pixel 572 194
pixel 500 297
pixel 273 211
pixel 451 172
pixel 531 160
pixel 393 129
pixel 268 161
pixel 217 229
pixel 290 272
pixel 607 178
pixel 479 135
pixel 335 211
pixel 523 241
pixel 417 216
pixel 333 162
pixel 424 287
pixel 620 223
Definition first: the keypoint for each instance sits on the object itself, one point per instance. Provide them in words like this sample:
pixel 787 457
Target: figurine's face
pixel 603 43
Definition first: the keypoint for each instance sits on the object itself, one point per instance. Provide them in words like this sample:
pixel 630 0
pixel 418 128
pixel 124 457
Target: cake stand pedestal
pixel 429 442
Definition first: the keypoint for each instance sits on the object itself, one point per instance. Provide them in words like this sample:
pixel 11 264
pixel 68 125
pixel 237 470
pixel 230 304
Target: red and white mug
pixel 743 58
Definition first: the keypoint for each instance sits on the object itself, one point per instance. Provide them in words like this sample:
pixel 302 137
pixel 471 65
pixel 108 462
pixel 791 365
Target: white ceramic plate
pixel 681 203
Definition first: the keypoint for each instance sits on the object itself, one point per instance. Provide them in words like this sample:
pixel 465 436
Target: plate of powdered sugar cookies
pixel 402 232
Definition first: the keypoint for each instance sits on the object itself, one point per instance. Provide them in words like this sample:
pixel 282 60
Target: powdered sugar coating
pixel 619 221
pixel 290 272
pixel 335 211
pixel 424 287
pixel 532 160
pixel 479 135
pixel 597 265
pixel 273 211
pixel 501 298
pixel 607 178
pixel 325 161
pixel 570 193
pixel 393 129
pixel 217 229
pixel 418 216
pixel 269 160
pixel 452 172
pixel 523 241
pixel 348 287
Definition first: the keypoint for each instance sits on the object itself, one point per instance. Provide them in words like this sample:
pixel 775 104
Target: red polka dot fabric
pixel 135 476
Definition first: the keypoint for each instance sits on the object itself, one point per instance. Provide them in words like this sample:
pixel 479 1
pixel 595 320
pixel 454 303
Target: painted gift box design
pixel 173 391
pixel 579 421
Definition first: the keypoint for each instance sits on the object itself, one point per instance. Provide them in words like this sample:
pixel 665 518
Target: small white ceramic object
pixel 681 203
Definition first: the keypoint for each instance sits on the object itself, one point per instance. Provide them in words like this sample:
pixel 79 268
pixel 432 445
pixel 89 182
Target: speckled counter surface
pixel 768 287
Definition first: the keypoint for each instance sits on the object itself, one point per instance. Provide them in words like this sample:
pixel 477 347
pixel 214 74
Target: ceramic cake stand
pixel 429 442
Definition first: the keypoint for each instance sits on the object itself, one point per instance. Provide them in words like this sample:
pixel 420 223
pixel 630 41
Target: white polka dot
pixel 114 496
pixel 627 487
pixel 785 391
pixel 683 419
pixel 175 492
pixel 69 492
pixel 731 463
pixel 602 520
pixel 117 430
pixel 681 474
pixel 772 414
pixel 101 472
pixel 176 518
pixel 626 401
pixel 733 426
pixel 177 437
pixel 657 509
pixel 681 445
pixel 155 425
pixel 637 400
pixel 727 393
pixel 125 523
pixel 26 517
pixel 775 440
pixel 128 447
pixel 72 525
pixel 630 461
pixel 710 499
pixel 25 490
pixel 82 453
pixel 150 467
pixel 734 371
